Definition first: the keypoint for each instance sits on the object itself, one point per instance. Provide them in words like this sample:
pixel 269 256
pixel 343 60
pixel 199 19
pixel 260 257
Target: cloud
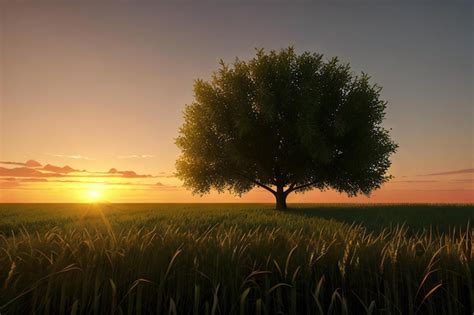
pixel 9 185
pixel 12 163
pixel 25 172
pixel 464 171
pixel 414 181
pixel 132 174
pixel 29 163
pixel 464 180
pixel 89 182
pixel 13 182
pixel 165 175
pixel 57 169
pixel 9 182
pixel 74 157
pixel 126 174
pixel 32 163
pixel 161 186
pixel 136 156
pixel 68 181
pixel 32 169
pixel 32 180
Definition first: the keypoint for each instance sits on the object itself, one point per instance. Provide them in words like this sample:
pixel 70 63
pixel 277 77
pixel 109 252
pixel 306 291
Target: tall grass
pixel 226 259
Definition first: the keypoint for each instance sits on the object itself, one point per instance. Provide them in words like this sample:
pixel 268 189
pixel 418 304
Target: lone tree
pixel 285 122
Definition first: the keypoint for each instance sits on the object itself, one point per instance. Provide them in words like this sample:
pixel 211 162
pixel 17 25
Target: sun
pixel 94 195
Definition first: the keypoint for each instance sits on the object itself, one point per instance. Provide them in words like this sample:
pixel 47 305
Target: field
pixel 236 259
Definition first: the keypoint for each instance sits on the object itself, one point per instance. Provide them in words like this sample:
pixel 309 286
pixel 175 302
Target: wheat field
pixel 236 259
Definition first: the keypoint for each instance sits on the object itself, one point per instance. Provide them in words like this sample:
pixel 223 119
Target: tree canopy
pixel 285 122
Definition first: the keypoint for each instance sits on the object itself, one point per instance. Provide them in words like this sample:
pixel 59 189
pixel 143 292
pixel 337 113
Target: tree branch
pixel 264 186
pixel 256 182
pixel 293 187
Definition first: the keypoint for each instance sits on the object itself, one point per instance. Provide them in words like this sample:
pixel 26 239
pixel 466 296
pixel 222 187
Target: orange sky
pixel 101 86
pixel 31 181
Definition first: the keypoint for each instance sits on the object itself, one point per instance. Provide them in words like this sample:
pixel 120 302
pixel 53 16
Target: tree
pixel 287 123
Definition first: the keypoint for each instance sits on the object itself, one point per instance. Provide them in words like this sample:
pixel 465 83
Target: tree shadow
pixel 376 217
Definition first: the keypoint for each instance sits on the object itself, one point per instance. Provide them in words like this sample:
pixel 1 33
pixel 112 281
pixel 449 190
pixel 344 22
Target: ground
pixel 236 258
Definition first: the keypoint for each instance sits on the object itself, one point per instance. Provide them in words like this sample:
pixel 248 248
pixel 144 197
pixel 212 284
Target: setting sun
pixel 94 195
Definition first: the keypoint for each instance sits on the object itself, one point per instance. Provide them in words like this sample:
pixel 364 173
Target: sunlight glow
pixel 94 195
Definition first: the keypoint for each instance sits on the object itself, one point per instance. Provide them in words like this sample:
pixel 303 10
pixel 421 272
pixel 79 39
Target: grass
pixel 236 259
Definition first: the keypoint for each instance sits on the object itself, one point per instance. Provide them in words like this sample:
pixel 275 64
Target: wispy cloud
pixel 136 156
pixel 29 163
pixel 165 175
pixel 25 172
pixel 13 182
pixel 31 180
pixel 58 169
pixel 464 171
pixel 9 184
pixel 29 172
pixel 464 180
pixel 12 163
pixel 73 156
pixel 33 169
pixel 413 181
pixel 126 174
pixel 17 183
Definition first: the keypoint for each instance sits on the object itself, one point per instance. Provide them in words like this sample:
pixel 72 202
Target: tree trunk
pixel 280 197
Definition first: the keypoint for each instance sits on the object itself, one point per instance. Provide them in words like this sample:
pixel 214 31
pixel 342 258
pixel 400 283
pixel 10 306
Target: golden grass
pixel 226 259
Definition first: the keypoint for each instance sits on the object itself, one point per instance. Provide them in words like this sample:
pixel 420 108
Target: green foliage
pixel 282 120
pixel 235 259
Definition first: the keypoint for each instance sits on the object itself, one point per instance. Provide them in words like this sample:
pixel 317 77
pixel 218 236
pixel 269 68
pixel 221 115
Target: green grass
pixel 236 259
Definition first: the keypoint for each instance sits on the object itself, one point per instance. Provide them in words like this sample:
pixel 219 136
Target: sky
pixel 101 88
